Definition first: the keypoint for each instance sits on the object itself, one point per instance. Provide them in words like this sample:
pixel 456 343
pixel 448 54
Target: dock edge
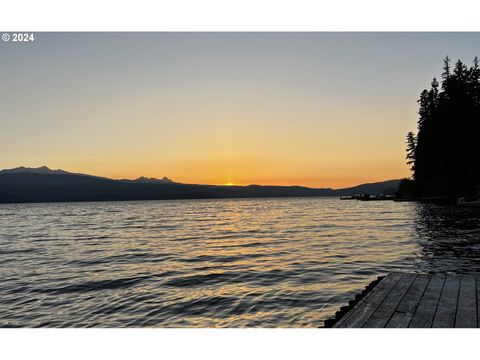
pixel 329 323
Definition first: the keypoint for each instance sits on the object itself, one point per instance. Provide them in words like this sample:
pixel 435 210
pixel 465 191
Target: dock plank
pixel 367 306
pixel 467 303
pixel 407 300
pixel 447 305
pixel 388 306
pixel 425 312
pixel 352 310
pixel 405 311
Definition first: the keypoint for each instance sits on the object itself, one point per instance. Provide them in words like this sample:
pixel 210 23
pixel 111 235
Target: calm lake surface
pixel 288 262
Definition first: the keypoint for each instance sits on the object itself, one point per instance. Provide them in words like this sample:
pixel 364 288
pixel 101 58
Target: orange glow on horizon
pixel 321 110
pixel 241 172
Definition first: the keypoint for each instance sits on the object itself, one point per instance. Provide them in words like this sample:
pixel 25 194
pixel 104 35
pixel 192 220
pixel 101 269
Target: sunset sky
pixel 313 109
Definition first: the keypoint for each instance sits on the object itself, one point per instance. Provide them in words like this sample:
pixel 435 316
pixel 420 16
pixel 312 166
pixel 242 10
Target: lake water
pixel 288 262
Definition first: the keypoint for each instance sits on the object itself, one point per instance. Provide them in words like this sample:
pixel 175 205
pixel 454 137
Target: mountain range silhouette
pixel 22 184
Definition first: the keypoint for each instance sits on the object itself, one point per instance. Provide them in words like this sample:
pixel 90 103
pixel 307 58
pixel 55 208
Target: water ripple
pixel 94 286
pixel 215 263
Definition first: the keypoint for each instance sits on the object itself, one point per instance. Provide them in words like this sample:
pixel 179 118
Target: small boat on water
pixel 464 202
pixel 368 197
pixel 379 197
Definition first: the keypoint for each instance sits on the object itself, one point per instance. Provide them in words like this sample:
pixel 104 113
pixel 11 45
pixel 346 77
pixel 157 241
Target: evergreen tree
pixel 444 156
pixel 411 147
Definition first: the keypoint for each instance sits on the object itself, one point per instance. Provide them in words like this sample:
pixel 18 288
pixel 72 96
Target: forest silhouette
pixel 444 154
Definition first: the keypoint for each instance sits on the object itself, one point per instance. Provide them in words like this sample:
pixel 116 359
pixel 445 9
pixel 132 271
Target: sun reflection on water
pixel 215 263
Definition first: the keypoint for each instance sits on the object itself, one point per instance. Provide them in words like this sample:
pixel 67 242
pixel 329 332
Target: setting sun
pixel 238 180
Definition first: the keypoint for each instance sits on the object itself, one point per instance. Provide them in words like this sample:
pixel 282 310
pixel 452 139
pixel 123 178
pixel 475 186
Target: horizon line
pixel 167 179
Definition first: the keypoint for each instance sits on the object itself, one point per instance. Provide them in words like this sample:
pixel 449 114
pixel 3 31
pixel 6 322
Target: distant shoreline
pixel 44 188
pixel 170 199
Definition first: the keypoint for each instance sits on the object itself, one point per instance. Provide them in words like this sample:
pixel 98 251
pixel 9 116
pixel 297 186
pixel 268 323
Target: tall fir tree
pixel 444 155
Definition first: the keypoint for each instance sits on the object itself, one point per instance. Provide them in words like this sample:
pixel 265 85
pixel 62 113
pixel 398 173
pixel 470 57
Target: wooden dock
pixel 406 300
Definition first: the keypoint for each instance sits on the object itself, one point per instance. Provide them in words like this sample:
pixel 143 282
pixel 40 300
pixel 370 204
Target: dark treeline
pixel 444 155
